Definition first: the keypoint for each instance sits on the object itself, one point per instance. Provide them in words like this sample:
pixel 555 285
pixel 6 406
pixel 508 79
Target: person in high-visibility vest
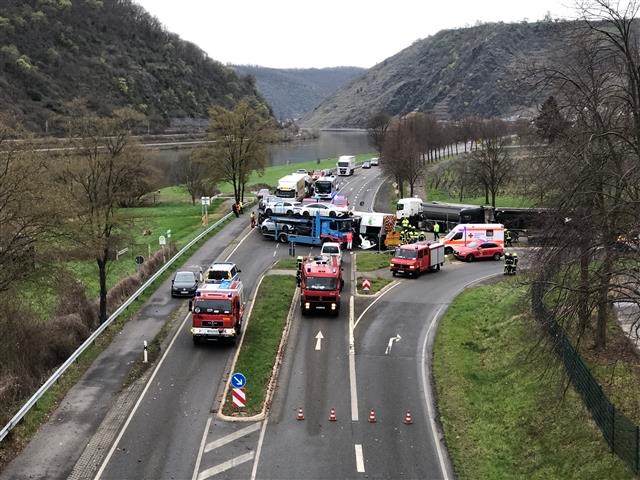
pixel 436 231
pixel 241 207
pixel 349 238
pixel 405 222
pixel 253 219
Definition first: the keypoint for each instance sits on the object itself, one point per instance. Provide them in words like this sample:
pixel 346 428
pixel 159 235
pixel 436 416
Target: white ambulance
pixel 465 233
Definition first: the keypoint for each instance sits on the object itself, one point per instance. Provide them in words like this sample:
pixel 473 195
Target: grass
pixel 272 174
pixel 372 261
pixel 502 408
pixel 262 339
pixel 286 264
pixel 503 200
pixel 377 284
pixel 39 414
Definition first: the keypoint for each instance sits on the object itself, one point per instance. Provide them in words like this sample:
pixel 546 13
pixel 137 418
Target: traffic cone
pixel 332 415
pixel 300 415
pixel 372 416
pixel 407 418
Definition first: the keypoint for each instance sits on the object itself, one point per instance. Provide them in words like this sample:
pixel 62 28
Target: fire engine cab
pixel 414 258
pixel 217 311
pixel 320 281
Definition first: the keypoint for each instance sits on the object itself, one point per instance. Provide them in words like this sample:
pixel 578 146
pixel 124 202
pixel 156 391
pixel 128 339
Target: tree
pixel 492 162
pixel 402 154
pixel 377 127
pixel 194 173
pixel 240 136
pixel 95 179
pixel 549 122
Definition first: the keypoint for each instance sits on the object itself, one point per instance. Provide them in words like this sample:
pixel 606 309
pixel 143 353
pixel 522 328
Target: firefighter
pixel 515 263
pixel 405 222
pixel 436 231
pixel 241 207
pixel 508 238
pixel 508 263
pixel 253 219
pixel 234 209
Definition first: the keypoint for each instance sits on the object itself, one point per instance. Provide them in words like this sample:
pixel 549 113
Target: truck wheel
pixel 283 237
pixel 470 258
pixel 395 274
pixel 496 257
pixel 196 340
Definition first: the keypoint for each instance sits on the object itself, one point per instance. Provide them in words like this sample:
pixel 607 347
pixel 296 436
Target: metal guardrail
pixel 74 356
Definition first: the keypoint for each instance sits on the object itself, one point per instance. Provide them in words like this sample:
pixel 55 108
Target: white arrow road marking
pixel 319 338
pixel 391 341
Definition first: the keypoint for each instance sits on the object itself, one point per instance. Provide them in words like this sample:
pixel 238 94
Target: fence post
pixel 637 449
pixel 613 428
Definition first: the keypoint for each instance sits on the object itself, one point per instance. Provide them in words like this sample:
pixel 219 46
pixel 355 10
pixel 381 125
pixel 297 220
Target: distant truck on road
pixel 346 165
pixel 292 186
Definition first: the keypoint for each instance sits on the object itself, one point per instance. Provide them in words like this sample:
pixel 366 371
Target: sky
pixel 329 33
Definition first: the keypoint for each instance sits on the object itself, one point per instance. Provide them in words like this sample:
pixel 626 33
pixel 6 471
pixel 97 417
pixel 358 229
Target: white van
pixel 465 233
pixel 332 249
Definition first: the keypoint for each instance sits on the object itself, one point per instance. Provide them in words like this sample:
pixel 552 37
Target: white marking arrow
pixel 390 344
pixel 319 338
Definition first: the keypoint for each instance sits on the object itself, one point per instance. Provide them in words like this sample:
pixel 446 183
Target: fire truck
pixel 320 281
pixel 415 258
pixel 217 311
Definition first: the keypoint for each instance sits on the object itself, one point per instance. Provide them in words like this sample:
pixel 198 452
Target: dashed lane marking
pixel 359 459
pixel 232 437
pixel 223 467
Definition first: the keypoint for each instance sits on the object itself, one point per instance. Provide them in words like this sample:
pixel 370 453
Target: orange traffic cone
pixel 407 418
pixel 300 415
pixel 372 416
pixel 332 415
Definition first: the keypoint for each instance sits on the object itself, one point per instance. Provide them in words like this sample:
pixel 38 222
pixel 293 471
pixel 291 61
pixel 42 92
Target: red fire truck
pixel 414 258
pixel 320 281
pixel 217 311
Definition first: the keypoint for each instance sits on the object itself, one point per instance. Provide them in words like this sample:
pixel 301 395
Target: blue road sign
pixel 238 380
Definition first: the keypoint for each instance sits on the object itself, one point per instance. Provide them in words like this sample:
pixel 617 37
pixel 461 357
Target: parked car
pixel 184 284
pixel 478 251
pixel 366 164
pixel 268 227
pixel 374 161
pixel 340 201
pixel 326 210
pixel 281 207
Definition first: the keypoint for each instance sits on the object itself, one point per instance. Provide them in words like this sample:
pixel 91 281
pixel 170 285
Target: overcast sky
pixel 328 33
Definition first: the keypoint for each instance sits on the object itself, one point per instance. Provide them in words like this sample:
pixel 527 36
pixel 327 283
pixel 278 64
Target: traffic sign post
pixel 162 241
pixel 206 201
pixel 366 285
pixel 139 261
pixel 239 397
pixel 238 380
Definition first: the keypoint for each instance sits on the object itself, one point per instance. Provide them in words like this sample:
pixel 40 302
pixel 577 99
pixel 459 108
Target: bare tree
pixel 402 154
pixel 194 173
pixel 377 126
pixel 492 162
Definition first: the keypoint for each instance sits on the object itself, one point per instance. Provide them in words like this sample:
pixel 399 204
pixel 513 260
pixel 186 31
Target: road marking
pixel 254 470
pixel 392 340
pixel 374 302
pixel 276 250
pixel 352 366
pixel 201 450
pixel 359 458
pixel 238 245
pixel 319 338
pixel 232 437
pixel 373 202
pixel 135 407
pixel 426 388
pixel 223 467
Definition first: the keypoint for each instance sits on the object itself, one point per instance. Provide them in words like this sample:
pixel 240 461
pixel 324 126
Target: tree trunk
pixel 493 198
pixel 486 195
pixel 102 274
pixel 583 305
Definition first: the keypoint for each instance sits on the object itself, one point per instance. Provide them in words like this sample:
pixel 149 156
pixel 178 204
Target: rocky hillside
pixel 451 74
pixel 113 53
pixel 295 92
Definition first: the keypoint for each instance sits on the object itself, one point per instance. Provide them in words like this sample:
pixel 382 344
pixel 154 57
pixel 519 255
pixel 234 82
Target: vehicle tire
pixel 196 340
pixel 303 311
pixel 268 212
pixel 448 250
pixel 470 258
pixel 284 238
pixel 305 213
pixel 289 212
pixel 332 214
pixel 496 257
pixel 395 274
pixel 438 268
pixel 264 230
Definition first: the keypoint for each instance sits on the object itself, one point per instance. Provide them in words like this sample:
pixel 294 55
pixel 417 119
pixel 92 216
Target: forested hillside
pixel 452 74
pixel 292 92
pixel 113 53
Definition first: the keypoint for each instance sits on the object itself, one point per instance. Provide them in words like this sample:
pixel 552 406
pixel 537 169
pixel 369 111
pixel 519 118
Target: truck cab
pixel 320 284
pixel 217 311
pixel 415 258
pixel 408 207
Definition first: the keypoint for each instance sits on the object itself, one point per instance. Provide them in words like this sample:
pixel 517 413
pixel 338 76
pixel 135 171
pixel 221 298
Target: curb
pixel 374 295
pixel 276 365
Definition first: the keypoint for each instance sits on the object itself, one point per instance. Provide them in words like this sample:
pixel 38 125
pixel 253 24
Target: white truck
pixel 292 186
pixel 346 165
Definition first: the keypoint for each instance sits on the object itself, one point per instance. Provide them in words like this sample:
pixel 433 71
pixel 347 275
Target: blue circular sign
pixel 238 380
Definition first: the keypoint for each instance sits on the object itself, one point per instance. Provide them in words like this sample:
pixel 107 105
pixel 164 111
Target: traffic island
pixel 260 349
pixel 375 283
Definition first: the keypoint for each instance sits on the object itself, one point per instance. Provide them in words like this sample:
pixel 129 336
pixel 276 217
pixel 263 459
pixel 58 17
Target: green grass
pixel 286 264
pixel 262 338
pixel 377 284
pixel 371 261
pixel 503 200
pixel 272 174
pixel 502 409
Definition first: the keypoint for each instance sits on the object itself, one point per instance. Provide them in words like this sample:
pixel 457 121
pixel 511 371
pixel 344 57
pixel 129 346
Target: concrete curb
pixel 276 366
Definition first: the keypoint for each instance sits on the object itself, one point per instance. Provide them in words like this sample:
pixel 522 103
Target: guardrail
pixel 74 356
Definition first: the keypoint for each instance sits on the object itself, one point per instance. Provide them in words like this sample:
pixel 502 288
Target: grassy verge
pixel 261 340
pixel 286 264
pixel 377 284
pixel 39 414
pixel 272 174
pixel 371 261
pixel 502 408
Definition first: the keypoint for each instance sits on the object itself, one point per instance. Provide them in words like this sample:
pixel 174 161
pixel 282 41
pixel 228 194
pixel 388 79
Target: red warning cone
pixel 407 418
pixel 300 415
pixel 372 416
pixel 332 415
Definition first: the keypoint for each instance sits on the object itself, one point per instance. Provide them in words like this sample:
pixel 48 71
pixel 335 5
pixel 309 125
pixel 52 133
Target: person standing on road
pixel 253 220
pixel 436 231
pixel 507 238
pixel 349 240
pixel 234 209
pixel 241 207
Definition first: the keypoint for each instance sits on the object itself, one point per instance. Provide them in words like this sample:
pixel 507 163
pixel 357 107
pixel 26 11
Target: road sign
pixel 139 260
pixel 162 240
pixel 366 285
pixel 239 397
pixel 205 200
pixel 238 380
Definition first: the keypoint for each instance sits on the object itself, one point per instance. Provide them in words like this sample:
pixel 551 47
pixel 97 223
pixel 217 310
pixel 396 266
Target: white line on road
pixel 359 458
pixel 391 342
pixel 352 366
pixel 319 338
pixel 201 450
pixel 276 250
pixel 223 467
pixel 135 407
pixel 374 302
pixel 232 436
pixel 254 470
pixel 426 388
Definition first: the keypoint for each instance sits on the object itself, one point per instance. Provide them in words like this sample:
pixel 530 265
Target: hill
pixel 451 74
pixel 293 92
pixel 111 52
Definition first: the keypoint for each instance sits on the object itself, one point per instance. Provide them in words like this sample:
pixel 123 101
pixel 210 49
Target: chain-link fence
pixel 622 435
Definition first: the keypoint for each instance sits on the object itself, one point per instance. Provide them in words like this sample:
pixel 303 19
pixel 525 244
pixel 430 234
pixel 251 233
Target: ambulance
pixel 465 233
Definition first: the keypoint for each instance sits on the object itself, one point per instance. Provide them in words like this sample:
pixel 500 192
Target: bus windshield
pixel 323 187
